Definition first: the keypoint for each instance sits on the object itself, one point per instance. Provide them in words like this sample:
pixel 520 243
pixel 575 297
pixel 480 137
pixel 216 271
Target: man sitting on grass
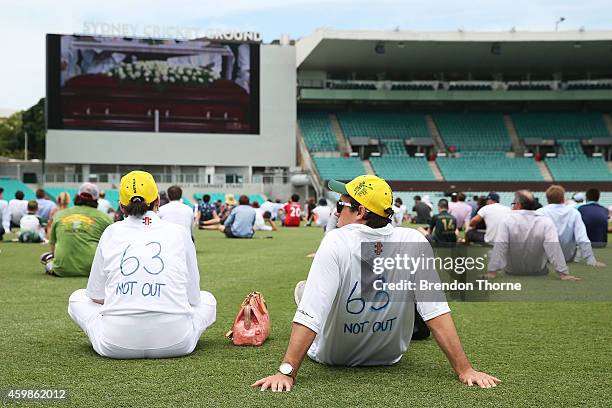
pixel 31 227
pixel 143 297
pixel 75 234
pixel 332 298
pixel 526 241
pixel 442 227
pixel 241 220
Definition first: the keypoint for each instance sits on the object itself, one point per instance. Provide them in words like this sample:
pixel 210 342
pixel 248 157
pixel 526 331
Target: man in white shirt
pixel 526 241
pixel 5 215
pixel 177 212
pixel 461 210
pixel 104 205
pixel 493 215
pixel 322 212
pixel 570 227
pixel 399 210
pixel 17 208
pixel 335 325
pixel 143 297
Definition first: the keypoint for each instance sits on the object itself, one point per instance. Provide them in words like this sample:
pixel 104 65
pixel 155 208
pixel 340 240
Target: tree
pixel 34 123
pixel 12 136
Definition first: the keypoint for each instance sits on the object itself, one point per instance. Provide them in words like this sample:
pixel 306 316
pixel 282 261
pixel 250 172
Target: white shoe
pixel 298 292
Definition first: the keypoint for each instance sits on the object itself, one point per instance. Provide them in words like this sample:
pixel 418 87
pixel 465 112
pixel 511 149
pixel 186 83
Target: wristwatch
pixel 286 369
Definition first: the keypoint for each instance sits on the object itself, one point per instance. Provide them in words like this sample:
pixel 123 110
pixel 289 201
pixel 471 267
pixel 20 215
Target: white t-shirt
pixel 17 209
pixel 260 223
pixel 5 215
pixel 104 205
pixel 30 223
pixel 145 267
pixel 351 331
pixel 178 213
pixel 493 215
pixel 461 211
pixel 323 213
pixel 398 215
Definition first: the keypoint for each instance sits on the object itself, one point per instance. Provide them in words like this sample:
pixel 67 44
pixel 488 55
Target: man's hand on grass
pixel 568 277
pixel 276 383
pixel 598 264
pixel 483 380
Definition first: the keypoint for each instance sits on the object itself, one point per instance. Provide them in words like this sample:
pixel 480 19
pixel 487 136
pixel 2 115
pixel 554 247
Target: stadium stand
pixel 412 87
pixel 392 167
pixel 479 166
pixel 395 147
pixel 470 87
pixel 529 87
pixel 578 168
pixel 477 131
pixel 383 125
pixel 560 125
pixel 317 131
pixel 10 186
pixel 352 85
pixel 339 168
pixel 589 86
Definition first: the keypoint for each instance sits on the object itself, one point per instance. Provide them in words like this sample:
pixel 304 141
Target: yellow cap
pixel 138 184
pixel 370 191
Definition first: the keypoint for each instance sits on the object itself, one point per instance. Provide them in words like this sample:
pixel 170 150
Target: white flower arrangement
pixel 161 73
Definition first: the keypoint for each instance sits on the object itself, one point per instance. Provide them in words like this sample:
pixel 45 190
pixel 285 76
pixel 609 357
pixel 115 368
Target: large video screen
pixel 138 84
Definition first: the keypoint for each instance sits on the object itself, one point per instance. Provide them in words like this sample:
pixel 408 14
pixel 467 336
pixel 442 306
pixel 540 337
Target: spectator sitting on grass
pixel 31 225
pixel 63 200
pixel 207 217
pixel 570 228
pixel 5 215
pixel 18 207
pixel 143 297
pixel 442 227
pixel 595 218
pixel 493 215
pixel 44 205
pixel 241 220
pixel 75 234
pixel 526 241
pixel 422 210
pixel 262 218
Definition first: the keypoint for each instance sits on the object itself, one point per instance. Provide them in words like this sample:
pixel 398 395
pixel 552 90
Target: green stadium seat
pixel 383 125
pixel 488 166
pixel 339 168
pixel 402 168
pixel 474 131
pixel 10 186
pixel 560 125
pixel 317 131
pixel 578 168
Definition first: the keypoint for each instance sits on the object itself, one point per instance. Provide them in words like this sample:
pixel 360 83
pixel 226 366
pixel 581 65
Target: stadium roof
pixel 510 52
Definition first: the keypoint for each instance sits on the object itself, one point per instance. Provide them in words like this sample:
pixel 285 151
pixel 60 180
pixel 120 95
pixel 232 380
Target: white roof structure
pixel 509 52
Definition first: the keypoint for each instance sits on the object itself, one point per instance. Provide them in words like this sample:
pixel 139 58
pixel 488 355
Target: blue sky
pixel 23 23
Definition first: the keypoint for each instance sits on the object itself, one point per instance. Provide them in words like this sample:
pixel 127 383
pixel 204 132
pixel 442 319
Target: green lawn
pixel 547 354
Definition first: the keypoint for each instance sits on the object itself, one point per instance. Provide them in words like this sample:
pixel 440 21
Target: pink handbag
pixel 252 324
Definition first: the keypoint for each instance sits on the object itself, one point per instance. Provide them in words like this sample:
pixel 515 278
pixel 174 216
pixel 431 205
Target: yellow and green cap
pixel 138 184
pixel 370 191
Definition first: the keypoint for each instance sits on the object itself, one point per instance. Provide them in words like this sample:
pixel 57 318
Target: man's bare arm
pixel 475 221
pixel 299 343
pixel 446 335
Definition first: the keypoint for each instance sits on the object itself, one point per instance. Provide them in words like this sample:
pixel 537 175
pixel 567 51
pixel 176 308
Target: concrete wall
pixel 274 146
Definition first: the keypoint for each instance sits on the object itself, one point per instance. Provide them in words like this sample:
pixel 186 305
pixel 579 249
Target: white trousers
pixel 86 313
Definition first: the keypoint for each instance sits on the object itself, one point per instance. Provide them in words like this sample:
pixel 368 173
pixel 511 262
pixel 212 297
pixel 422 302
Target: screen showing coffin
pixel 112 83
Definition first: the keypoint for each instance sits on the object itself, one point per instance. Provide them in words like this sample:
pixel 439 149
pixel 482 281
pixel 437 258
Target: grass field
pixel 547 354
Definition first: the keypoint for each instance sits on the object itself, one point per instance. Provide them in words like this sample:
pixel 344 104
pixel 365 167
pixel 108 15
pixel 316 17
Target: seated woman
pixel 143 298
